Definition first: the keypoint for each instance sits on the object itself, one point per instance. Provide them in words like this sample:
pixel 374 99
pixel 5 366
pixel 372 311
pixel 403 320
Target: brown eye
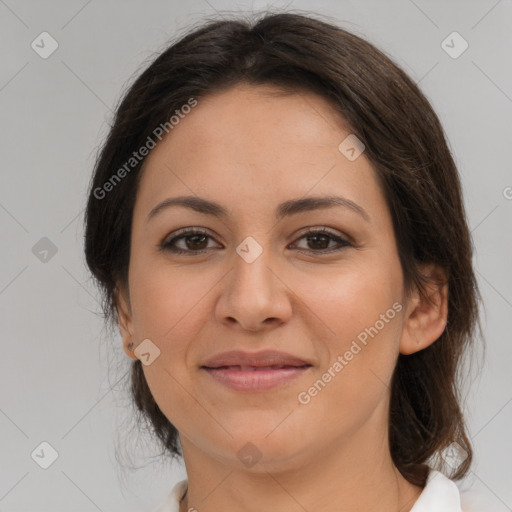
pixel 195 242
pixel 192 242
pixel 319 240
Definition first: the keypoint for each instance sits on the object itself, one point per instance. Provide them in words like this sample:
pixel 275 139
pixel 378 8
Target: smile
pixel 255 378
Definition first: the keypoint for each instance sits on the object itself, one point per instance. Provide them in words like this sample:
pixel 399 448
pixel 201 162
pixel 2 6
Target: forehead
pixel 250 144
pixel 245 119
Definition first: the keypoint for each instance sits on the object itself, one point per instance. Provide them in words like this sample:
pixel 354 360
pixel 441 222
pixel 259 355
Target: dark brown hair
pixel 404 142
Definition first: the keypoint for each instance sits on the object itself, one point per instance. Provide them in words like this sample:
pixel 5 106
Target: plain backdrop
pixel 63 378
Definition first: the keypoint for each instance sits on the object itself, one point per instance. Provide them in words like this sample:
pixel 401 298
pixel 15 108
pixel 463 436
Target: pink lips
pixel 257 371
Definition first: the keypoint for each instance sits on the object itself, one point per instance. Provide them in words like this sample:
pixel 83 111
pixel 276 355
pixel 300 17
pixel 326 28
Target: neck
pixel 349 476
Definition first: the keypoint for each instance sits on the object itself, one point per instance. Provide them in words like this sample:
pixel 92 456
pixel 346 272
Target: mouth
pixel 255 378
pixel 246 368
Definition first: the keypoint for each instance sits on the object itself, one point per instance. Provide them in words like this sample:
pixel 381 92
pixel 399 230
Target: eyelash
pixel 167 245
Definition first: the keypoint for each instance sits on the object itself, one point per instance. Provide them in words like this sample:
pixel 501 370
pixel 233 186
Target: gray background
pixel 61 372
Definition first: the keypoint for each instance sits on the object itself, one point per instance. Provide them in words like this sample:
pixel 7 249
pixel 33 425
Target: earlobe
pixel 427 312
pixel 125 321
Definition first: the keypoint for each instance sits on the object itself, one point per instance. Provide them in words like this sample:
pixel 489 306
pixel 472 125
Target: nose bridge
pixel 251 268
pixel 253 295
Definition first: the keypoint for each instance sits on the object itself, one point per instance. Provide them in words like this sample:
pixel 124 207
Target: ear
pixel 125 320
pixel 426 316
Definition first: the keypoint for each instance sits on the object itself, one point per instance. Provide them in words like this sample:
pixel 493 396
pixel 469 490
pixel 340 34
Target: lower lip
pixel 255 380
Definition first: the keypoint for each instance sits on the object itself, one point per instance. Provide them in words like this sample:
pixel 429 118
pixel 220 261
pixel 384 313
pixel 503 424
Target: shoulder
pixel 172 501
pixel 442 494
pixel 439 493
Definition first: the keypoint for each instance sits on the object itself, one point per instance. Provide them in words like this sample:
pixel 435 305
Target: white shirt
pixel 439 495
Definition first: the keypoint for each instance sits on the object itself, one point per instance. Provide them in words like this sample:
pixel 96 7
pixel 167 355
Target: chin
pixel 264 449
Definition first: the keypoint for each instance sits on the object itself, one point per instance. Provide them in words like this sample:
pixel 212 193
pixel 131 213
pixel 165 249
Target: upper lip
pixel 257 359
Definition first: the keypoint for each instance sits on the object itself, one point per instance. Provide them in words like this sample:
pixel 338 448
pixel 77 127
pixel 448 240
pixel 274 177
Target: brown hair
pixel 405 143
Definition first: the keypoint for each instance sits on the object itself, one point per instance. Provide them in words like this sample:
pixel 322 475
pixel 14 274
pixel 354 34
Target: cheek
pixel 353 381
pixel 362 312
pixel 353 298
pixel 166 300
pixel 169 311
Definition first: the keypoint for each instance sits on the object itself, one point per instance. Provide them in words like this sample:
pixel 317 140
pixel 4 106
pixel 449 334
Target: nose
pixel 255 296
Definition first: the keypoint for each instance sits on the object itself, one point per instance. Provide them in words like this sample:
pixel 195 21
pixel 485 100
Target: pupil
pixel 316 237
pixel 195 238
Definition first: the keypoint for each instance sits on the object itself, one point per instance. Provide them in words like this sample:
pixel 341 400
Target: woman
pixel 277 225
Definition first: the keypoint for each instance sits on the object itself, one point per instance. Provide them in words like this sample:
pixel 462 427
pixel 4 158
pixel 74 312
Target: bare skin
pixel 249 151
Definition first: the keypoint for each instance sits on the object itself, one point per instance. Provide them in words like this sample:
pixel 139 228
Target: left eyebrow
pixel 286 209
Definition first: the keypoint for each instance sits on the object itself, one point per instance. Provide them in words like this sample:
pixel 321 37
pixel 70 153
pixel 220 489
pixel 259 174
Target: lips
pixel 247 361
pixel 257 371
pixel 254 368
pixel 255 380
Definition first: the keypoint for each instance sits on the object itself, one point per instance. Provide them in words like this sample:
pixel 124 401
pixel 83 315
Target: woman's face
pixel 256 281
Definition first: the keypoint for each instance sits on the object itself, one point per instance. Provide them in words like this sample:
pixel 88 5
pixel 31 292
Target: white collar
pixel 439 495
